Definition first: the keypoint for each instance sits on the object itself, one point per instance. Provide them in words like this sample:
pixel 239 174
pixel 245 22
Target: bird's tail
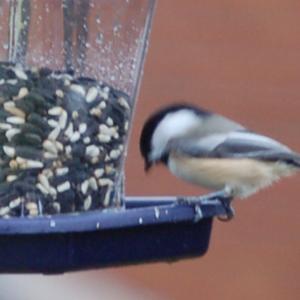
pixel 297 162
pixel 294 160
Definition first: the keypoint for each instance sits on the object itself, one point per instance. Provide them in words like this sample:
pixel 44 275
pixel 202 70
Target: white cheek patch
pixel 173 125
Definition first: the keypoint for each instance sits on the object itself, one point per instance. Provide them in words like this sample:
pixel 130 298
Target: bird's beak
pixel 148 165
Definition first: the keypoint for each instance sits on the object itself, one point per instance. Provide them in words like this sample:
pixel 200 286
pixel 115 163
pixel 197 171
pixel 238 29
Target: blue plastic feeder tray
pixel 148 229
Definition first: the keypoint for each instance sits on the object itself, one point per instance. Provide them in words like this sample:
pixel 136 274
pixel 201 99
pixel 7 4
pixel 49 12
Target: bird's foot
pixel 229 211
pixel 224 196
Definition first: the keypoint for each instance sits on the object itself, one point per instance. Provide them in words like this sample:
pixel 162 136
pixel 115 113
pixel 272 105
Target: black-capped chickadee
pixel 214 152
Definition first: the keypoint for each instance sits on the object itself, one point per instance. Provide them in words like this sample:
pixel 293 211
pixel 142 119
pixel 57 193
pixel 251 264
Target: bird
pixel 214 152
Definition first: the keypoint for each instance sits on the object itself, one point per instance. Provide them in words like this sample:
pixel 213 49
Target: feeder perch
pixel 69 78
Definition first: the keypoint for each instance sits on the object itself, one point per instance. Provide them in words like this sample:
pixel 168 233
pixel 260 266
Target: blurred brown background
pixel 241 59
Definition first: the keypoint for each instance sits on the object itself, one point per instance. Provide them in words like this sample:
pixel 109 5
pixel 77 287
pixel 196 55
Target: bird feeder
pixel 69 78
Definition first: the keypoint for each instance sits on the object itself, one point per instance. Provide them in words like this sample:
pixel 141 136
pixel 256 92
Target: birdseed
pixel 61 142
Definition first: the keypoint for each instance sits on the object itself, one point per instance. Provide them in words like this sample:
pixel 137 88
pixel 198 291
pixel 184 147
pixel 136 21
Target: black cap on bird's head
pixel 172 130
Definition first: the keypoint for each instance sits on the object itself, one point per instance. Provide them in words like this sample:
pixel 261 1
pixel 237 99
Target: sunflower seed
pixel 102 105
pixel 54 133
pixel 107 198
pixel 87 203
pixel 55 111
pixel 42 188
pixel 93 184
pixel 124 103
pixel 84 187
pixel 20 74
pixel 75 115
pixel 99 173
pixel 92 151
pixel 11 178
pixel 59 146
pixel 96 112
pixel 104 138
pixel 49 145
pixel 68 150
pixel 82 128
pixel 57 207
pixel 103 94
pixel 109 121
pixel 11 132
pixel 110 169
pixel 63 119
pixel 13 164
pixel 9 151
pixel 12 81
pixel 23 92
pixel 69 131
pixel 5 126
pixel 114 154
pixel 105 181
pixel 87 140
pixel 44 181
pixel 75 137
pixel 4 211
pixel 62 171
pixel 50 155
pixel 77 89
pixel 9 104
pixel 63 187
pixel 52 123
pixel 15 120
pixel 16 112
pixel 59 93
pixel 32 208
pixel 91 94
pixel 104 129
pixel 15 203
pixel 32 164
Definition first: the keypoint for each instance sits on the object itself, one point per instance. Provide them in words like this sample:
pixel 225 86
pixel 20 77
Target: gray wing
pixel 237 144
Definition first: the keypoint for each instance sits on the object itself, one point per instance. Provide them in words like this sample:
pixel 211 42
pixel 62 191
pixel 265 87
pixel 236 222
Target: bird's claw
pixel 223 196
pixel 229 211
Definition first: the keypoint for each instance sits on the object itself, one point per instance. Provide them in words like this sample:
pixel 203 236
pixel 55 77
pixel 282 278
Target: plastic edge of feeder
pixel 139 212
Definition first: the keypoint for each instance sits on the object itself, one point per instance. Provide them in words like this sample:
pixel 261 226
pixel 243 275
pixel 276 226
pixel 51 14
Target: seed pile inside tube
pixel 61 141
